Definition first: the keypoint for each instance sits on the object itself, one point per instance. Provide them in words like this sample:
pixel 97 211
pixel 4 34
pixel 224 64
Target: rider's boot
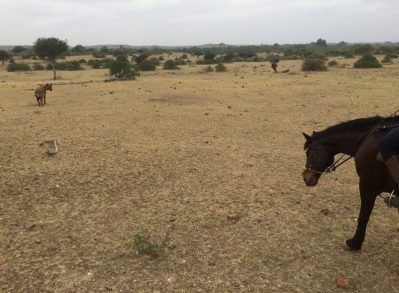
pixel 393 166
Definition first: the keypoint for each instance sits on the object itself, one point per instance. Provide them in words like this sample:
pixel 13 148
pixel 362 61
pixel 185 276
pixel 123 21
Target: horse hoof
pixel 352 245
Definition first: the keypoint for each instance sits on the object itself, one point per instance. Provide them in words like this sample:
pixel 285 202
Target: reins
pixel 335 165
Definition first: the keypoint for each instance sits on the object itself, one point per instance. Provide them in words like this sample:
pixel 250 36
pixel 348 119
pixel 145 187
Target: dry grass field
pixel 214 160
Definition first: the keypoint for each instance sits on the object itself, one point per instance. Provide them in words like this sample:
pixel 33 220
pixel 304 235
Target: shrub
pixel 387 59
pixel 38 66
pixel 170 64
pixel 160 58
pixel 26 56
pixel 348 54
pixel 220 68
pixel 155 61
pixel 107 62
pixel 82 61
pixel 314 62
pixel 228 57
pixel 145 246
pixel 122 70
pixel 66 66
pixel 140 58
pixel 95 63
pixel 98 55
pixel 208 69
pixel 332 63
pixel 11 67
pixel 180 61
pixel 146 65
pixel 367 61
pixel 209 58
pixel 184 56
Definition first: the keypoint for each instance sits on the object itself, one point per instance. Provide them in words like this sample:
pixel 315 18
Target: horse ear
pixel 307 137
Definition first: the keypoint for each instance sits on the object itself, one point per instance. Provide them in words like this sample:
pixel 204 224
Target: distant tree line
pixel 128 61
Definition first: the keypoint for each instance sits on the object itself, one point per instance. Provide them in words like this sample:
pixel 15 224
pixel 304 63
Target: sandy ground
pixel 213 158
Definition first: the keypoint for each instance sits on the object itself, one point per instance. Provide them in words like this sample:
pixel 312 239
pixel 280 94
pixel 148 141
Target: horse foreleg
pixel 367 198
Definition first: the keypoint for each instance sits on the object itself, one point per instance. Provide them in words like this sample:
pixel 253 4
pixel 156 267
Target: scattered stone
pixel 325 211
pixel 229 107
pixel 29 225
pixel 234 217
pixel 341 283
pixel 206 113
pixel 111 92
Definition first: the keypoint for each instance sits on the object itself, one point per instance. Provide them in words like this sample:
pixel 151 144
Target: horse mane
pixel 353 126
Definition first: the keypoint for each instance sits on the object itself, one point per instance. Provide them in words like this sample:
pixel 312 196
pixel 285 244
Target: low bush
pixel 387 59
pixel 314 62
pixel 146 65
pixel 155 61
pixel 332 63
pixel 11 67
pixel 65 66
pixel 180 61
pixel 170 65
pixel 145 246
pixel 98 55
pixel 208 69
pixel 367 61
pixel 122 70
pixel 220 68
pixel 38 66
pixel 95 63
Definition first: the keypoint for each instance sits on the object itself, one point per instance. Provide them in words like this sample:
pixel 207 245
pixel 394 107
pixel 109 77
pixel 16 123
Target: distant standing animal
pixel 40 93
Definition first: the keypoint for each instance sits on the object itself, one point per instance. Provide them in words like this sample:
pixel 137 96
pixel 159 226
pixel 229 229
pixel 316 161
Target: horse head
pixel 318 158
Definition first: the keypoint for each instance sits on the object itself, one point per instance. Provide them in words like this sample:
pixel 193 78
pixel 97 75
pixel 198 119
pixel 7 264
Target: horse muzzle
pixel 310 177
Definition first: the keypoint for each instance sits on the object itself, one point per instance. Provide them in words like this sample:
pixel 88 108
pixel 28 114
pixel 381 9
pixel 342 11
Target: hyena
pixel 40 93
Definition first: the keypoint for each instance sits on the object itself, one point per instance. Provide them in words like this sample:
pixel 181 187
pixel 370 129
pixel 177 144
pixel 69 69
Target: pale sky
pixel 179 22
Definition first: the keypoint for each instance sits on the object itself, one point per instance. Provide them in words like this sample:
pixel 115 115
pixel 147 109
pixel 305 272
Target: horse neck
pixel 345 143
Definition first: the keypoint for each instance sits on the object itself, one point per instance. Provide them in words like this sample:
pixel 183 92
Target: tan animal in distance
pixel 40 93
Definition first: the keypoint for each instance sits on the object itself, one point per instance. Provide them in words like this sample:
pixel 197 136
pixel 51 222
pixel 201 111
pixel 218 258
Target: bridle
pixel 333 167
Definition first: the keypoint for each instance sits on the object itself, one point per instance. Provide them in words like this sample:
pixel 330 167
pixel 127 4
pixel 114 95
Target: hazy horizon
pixel 191 23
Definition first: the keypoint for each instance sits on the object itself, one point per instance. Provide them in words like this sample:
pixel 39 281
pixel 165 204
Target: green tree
pixel 321 43
pixel 50 48
pixel 78 49
pixel 4 56
pixel 18 49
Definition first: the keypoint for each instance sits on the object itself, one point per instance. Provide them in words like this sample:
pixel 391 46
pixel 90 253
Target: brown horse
pixel 357 138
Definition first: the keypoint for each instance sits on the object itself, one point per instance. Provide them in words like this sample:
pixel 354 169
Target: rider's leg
pixel 388 150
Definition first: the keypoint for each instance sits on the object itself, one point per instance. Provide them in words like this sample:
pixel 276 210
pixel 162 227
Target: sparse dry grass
pixel 182 151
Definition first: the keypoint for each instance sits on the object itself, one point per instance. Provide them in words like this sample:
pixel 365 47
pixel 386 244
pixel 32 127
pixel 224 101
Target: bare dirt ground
pixel 213 158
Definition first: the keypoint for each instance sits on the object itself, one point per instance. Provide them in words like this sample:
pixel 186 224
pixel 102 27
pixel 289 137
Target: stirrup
pixel 392 201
